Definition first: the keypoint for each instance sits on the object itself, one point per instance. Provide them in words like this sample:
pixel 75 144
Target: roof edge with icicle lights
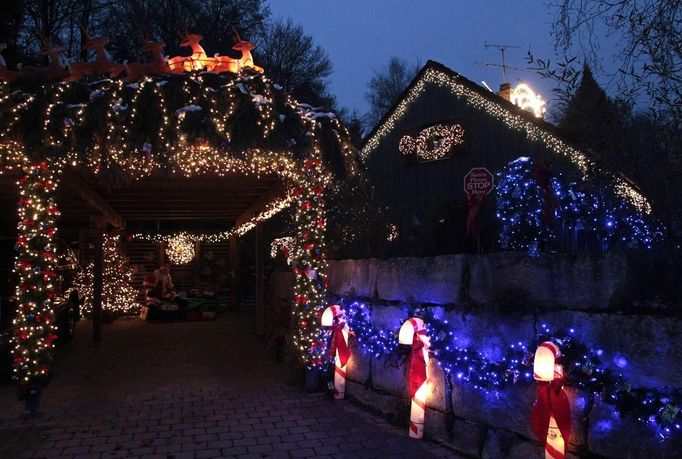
pixel 535 129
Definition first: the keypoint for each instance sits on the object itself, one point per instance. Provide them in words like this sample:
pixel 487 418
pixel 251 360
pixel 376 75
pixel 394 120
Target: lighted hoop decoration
pixel 413 333
pixel 433 142
pixel 551 414
pixel 180 249
pixel 335 318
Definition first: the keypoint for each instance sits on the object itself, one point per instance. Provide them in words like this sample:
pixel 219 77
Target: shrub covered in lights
pixel 536 205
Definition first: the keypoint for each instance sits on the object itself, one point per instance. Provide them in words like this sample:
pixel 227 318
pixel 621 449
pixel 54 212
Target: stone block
pixel 359 366
pixel 467 437
pixel 645 349
pixel 434 280
pixel 435 424
pixel 352 277
pixel 570 281
pixel 615 437
pixel 387 404
pixel 388 318
pixel 389 375
pixel 490 331
pixel 500 443
pixel 438 398
pixel 511 410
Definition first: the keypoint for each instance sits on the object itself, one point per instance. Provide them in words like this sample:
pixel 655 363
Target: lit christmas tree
pixel 118 294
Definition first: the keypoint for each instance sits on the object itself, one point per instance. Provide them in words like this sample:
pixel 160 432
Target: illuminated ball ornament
pixel 180 249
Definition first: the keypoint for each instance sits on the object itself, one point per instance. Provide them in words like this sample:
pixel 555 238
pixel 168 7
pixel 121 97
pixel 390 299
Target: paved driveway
pixel 181 390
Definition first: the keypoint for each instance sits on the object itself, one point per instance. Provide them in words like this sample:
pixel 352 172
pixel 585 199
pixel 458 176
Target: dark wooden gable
pixel 413 188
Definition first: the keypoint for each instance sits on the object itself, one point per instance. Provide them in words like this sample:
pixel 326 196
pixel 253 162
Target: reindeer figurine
pixel 197 61
pixel 56 68
pixel 157 66
pixel 245 47
pixel 5 74
pixel 102 63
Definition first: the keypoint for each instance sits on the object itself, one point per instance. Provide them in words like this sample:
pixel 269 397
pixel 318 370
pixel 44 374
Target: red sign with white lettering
pixel 478 182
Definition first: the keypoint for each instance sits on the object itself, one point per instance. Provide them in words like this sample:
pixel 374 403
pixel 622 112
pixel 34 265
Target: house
pixel 442 126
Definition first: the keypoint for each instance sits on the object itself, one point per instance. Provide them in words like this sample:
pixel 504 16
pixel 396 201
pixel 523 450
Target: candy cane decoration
pixel 335 317
pixel 551 414
pixel 413 333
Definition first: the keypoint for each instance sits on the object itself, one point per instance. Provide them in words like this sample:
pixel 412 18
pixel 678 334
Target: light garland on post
pixel 35 264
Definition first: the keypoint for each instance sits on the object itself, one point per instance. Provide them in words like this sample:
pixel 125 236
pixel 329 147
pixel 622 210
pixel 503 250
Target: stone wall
pixel 498 299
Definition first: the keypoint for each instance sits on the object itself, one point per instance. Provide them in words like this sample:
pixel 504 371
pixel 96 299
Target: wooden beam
pixel 275 191
pixel 76 184
pixel 260 281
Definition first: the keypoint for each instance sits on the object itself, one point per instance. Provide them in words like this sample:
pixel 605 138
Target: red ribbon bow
pixel 543 177
pixel 552 401
pixel 339 343
pixel 417 366
pixel 474 202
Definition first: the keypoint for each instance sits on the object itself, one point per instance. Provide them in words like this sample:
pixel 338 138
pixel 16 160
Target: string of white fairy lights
pixel 271 210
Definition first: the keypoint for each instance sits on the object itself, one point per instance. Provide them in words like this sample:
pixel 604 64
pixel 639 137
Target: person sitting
pixel 165 288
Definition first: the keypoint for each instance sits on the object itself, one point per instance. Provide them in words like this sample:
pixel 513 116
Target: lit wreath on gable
pixel 433 142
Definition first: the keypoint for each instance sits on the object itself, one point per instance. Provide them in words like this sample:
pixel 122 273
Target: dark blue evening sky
pixel 361 35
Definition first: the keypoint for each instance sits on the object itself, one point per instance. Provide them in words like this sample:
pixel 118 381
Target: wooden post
pixel 97 286
pixel 260 281
pixel 234 270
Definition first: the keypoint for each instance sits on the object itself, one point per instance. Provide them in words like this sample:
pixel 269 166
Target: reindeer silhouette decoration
pixel 157 66
pixel 5 74
pixel 199 60
pixel 55 70
pixel 102 63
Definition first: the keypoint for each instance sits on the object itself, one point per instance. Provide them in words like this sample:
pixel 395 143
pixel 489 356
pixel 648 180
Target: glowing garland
pixel 35 265
pixel 271 209
pixel 611 220
pixel 583 366
pixel 497 110
pixel 433 142
pixel 284 245
pixel 180 250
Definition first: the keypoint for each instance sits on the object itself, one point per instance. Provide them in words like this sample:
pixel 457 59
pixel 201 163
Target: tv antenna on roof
pixel 504 65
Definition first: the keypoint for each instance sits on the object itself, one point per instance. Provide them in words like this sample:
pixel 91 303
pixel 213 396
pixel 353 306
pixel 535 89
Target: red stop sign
pixel 478 182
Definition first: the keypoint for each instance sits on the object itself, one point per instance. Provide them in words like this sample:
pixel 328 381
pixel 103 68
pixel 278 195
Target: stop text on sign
pixel 478 182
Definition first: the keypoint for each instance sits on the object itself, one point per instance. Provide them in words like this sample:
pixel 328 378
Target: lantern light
pixel 545 367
